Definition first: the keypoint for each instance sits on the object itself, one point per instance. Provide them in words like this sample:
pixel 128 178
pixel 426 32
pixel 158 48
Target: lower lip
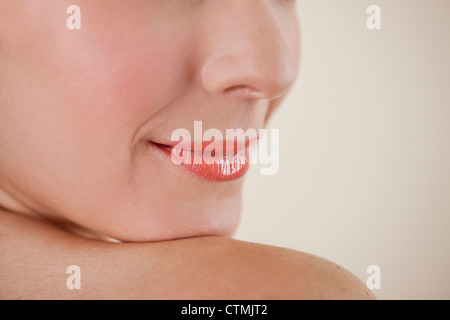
pixel 225 168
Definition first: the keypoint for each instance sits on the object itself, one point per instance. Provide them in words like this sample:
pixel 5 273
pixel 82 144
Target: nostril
pixel 246 91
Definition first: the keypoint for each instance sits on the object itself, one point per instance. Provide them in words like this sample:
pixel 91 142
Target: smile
pixel 209 159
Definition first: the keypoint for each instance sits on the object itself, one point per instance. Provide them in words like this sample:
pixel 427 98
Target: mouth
pixel 212 160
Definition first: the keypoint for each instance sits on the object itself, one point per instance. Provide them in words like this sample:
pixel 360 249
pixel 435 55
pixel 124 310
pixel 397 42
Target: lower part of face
pixel 79 108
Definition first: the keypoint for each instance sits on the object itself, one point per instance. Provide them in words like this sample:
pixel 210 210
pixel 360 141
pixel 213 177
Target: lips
pixel 217 160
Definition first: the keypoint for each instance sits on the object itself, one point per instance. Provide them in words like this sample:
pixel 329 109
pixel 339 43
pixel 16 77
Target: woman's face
pixel 79 107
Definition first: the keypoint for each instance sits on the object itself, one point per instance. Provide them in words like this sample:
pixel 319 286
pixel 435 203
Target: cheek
pixel 120 85
pixel 85 95
pixel 114 80
pixel 114 87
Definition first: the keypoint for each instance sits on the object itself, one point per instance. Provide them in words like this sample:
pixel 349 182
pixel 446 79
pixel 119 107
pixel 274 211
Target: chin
pixel 173 233
pixel 214 222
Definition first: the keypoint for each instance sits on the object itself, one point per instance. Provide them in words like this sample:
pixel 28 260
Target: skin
pixel 35 256
pixel 136 71
pixel 77 109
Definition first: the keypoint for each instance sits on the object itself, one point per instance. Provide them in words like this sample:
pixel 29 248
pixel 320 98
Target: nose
pixel 249 50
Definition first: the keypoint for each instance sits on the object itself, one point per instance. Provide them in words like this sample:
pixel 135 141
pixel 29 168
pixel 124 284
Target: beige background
pixel 365 147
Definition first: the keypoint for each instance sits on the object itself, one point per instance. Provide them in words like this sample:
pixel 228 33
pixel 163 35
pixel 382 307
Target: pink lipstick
pixel 210 160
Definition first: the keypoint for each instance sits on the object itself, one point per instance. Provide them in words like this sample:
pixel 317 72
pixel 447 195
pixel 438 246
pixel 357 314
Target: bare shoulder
pixel 35 257
pixel 255 271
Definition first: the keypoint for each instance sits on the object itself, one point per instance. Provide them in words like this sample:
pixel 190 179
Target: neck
pixel 9 206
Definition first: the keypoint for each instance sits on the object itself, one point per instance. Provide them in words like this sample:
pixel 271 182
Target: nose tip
pixel 249 49
pixel 249 75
